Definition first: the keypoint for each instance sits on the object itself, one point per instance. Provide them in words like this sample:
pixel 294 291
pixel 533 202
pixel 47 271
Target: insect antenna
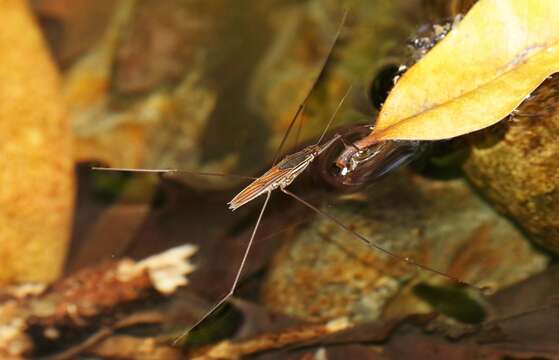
pixel 237 276
pixel 171 171
pixel 368 242
pixel 315 82
pixel 299 130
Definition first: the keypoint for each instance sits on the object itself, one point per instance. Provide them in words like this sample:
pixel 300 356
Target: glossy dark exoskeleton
pixel 367 165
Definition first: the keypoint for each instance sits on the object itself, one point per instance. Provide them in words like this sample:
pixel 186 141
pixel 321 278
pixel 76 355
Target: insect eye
pixel 382 84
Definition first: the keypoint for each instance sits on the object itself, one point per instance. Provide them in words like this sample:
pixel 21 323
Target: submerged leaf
pixel 484 68
pixel 37 175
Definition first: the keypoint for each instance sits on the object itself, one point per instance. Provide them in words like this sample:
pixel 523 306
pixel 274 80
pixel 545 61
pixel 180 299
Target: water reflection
pixel 346 168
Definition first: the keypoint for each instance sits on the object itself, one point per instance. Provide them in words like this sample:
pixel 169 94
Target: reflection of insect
pixel 282 175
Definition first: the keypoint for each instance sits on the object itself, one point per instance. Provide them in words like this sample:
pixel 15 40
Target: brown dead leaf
pixel 484 68
pixel 37 177
pixel 65 318
pixel 237 350
pixel 105 231
pixel 523 326
pixel 526 335
pixel 111 235
pixel 129 347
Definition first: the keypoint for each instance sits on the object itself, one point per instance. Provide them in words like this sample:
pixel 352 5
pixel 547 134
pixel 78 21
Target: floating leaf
pixel 485 67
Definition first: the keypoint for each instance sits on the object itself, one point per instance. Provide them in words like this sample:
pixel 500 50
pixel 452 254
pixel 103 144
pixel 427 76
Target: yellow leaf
pixel 485 67
pixel 37 171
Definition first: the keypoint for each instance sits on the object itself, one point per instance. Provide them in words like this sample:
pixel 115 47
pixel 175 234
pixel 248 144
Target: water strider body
pixel 281 174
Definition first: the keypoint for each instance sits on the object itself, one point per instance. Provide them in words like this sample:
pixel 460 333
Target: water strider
pixel 283 173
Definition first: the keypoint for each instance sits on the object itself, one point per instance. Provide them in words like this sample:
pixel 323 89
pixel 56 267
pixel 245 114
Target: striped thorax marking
pixel 280 175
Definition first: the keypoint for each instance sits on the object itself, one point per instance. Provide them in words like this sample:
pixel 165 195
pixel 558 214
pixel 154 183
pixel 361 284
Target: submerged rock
pixel 323 272
pixel 515 165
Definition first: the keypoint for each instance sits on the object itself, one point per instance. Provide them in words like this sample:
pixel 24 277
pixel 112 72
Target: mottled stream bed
pixel 211 86
pixel 323 272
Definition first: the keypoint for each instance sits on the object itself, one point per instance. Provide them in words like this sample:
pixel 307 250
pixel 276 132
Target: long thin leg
pixel 333 117
pixel 370 243
pixel 239 272
pixel 315 82
pixel 171 171
pixel 348 143
pixel 299 129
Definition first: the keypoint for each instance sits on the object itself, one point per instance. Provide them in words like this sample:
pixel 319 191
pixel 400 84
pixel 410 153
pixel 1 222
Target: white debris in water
pixel 338 324
pixel 167 270
pixel 429 36
pixel 25 290
pixel 12 341
pixel 321 354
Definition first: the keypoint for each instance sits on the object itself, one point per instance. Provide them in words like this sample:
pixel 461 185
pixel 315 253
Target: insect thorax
pixel 296 163
pixel 304 156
